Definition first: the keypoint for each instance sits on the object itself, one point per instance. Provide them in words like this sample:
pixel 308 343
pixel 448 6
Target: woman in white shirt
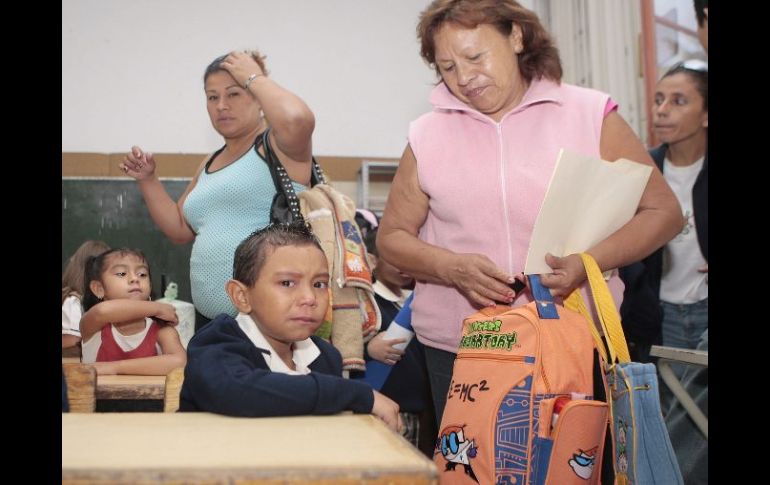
pixel 680 268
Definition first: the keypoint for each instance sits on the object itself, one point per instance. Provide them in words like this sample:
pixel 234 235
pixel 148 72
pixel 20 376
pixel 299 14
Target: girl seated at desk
pixel 123 330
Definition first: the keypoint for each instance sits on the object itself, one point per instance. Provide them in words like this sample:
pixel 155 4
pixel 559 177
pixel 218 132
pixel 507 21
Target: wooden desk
pixel 130 387
pixel 200 447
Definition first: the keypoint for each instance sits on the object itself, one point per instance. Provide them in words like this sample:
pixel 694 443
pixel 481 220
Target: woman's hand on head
pixel 568 274
pixel 138 164
pixel 382 350
pixel 241 65
pixel 478 278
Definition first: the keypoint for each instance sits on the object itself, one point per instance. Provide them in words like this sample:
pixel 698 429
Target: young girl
pixel 73 289
pixel 124 331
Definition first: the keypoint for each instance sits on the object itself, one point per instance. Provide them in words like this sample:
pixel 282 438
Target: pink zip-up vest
pixel 486 182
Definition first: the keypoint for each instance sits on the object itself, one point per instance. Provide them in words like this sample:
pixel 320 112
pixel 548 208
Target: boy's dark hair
pixel 251 253
pixel 699 13
pixel 95 268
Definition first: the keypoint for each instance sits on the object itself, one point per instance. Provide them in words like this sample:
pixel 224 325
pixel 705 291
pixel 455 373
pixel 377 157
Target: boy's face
pixel 289 299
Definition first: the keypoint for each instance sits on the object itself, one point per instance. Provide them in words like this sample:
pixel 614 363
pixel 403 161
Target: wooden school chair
pixel 81 387
pixel 72 352
pixel 174 381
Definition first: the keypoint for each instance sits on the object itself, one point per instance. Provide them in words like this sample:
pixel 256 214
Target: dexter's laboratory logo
pixel 582 463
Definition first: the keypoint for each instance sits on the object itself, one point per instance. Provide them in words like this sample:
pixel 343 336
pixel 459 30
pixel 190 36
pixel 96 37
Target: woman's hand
pixel 568 274
pixel 138 164
pixel 383 350
pixel 478 278
pixel 241 65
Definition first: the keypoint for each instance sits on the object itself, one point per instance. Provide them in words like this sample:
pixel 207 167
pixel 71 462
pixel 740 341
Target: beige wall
pixel 341 171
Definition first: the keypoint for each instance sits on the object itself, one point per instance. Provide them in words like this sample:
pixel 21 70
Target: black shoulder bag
pixel 285 206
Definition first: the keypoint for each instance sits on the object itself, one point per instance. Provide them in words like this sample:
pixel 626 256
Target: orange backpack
pixel 498 424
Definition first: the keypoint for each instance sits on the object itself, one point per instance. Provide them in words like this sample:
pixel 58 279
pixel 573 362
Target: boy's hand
pixel 166 314
pixel 387 410
pixel 381 349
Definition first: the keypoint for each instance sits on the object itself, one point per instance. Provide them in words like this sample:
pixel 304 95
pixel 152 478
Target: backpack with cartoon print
pixel 514 366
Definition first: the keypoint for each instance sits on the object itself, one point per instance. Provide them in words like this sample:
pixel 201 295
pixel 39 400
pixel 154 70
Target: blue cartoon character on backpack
pixel 454 447
pixel 582 462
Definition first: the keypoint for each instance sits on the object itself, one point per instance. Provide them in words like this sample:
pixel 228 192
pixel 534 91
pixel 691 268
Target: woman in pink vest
pixel 474 173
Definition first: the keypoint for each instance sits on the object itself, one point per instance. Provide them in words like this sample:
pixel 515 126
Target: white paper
pixel 587 200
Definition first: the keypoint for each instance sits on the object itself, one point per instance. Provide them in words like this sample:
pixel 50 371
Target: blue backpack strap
pixel 546 309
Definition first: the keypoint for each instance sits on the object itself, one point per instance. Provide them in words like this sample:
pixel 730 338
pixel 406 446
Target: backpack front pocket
pixel 578 442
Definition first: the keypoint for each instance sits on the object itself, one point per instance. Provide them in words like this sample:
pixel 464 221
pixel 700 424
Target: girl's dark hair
pixel 72 282
pixel 366 220
pixel 252 252
pixel 95 267
pixel 370 241
pixel 540 57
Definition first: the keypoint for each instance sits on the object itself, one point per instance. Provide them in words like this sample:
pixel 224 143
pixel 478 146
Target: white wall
pixel 674 46
pixel 132 70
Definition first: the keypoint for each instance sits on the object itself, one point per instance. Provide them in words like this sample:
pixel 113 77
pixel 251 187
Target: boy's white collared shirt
pixel 385 293
pixel 304 351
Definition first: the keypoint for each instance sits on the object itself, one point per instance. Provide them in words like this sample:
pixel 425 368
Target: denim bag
pixel 642 450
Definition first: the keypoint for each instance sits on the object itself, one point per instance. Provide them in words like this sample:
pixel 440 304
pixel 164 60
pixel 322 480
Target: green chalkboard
pixel 114 211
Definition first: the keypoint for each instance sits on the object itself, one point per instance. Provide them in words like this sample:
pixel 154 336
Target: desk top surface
pixel 139 445
pixel 690 356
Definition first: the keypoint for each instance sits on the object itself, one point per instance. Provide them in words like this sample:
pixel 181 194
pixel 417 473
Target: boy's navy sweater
pixel 227 374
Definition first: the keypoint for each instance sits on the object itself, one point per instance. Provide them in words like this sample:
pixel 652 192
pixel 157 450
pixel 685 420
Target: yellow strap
pixel 575 302
pixel 607 311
